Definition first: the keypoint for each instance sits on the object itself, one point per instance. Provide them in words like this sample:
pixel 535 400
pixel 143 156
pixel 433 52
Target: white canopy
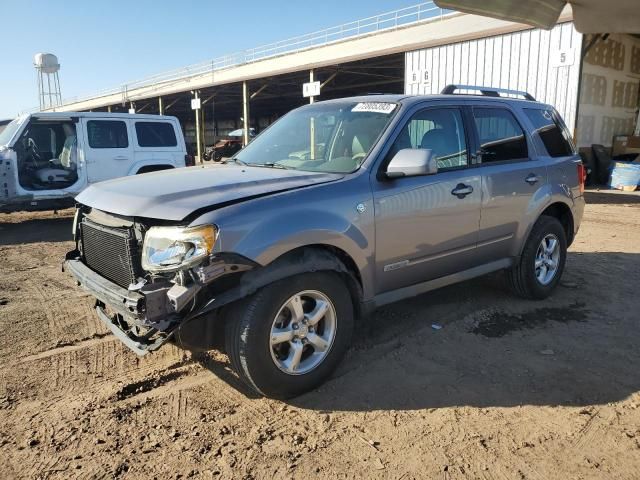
pixel 589 16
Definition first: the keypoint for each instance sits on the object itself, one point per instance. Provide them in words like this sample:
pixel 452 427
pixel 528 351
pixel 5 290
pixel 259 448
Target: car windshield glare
pixel 326 137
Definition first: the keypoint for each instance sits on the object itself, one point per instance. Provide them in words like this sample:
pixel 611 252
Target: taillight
pixel 189 160
pixel 582 176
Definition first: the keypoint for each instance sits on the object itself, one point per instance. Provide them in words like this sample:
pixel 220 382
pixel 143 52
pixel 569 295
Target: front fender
pixel 336 214
pixel 280 235
pixel 283 233
pixel 269 239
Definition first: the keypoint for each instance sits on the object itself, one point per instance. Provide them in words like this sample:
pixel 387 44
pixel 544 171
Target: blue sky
pixel 101 44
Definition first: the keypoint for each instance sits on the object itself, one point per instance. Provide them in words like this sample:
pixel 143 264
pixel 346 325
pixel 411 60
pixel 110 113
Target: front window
pixel 9 131
pixel 440 130
pixel 331 137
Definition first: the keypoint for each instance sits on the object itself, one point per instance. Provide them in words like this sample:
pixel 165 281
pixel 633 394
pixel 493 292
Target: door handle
pixel 121 157
pixel 532 179
pixel 462 190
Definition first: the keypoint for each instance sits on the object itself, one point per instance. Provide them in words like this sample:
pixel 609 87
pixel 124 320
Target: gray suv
pixel 336 209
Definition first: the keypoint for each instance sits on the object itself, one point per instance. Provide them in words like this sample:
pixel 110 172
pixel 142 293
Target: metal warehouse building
pixel 593 80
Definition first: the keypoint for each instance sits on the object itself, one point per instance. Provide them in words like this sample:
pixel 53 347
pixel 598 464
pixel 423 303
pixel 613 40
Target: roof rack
pixel 486 91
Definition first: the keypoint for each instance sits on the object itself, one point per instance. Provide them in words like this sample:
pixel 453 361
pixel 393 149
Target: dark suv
pixel 336 209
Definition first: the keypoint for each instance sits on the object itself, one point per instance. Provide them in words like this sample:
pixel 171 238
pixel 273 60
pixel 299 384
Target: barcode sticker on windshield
pixel 377 107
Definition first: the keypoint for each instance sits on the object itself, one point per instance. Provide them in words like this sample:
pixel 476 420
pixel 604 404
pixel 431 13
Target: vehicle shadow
pixel 578 347
pixel 35 230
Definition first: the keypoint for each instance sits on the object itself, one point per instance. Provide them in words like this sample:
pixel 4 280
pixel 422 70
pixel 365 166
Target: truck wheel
pixel 289 336
pixel 542 261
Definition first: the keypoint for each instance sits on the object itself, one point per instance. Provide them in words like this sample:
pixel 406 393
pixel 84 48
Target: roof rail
pixel 486 91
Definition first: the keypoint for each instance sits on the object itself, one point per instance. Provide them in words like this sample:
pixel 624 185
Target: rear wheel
pixel 542 261
pixel 288 337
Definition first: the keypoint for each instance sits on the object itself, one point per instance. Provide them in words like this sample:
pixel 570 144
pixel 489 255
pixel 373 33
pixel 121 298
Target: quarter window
pixel 501 137
pixel 107 134
pixel 552 133
pixel 440 130
pixel 155 134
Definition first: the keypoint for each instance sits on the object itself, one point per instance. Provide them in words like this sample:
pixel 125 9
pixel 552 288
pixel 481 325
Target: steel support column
pixel 312 125
pixel 246 123
pixel 198 133
pixel 160 106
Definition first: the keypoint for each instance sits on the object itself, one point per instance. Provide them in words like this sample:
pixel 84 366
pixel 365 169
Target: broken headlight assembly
pixel 167 249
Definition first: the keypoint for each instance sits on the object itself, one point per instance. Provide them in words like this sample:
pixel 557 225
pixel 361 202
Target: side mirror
pixel 411 162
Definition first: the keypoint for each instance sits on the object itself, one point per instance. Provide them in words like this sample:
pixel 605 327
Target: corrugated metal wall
pixel 545 63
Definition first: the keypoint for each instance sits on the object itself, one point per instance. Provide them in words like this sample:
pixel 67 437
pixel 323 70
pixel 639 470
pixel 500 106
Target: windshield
pixel 9 130
pixel 331 137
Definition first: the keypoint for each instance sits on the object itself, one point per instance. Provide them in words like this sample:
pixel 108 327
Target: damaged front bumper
pixel 127 322
pixel 146 316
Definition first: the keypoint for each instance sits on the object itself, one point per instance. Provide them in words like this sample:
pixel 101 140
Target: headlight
pixel 167 249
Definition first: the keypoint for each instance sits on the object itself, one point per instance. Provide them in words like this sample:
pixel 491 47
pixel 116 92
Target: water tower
pixel 47 67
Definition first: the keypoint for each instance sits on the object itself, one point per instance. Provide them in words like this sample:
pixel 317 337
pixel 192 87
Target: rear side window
pixel 155 134
pixel 107 134
pixel 552 133
pixel 501 136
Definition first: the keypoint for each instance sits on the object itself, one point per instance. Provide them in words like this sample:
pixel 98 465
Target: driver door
pixel 424 230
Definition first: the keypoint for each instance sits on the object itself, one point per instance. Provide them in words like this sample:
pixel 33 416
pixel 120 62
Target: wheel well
pixel 354 279
pixel 563 213
pixel 153 168
pixel 343 256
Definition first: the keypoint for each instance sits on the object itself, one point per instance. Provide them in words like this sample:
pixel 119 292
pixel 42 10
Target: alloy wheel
pixel 547 259
pixel 303 332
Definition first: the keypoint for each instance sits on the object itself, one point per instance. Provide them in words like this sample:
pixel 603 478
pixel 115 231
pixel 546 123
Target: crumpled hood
pixel 174 194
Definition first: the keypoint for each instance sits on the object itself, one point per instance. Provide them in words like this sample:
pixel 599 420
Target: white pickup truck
pixel 46 159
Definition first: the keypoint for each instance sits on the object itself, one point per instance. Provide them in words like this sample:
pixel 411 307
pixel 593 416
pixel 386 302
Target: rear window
pixel 107 134
pixel 155 134
pixel 552 133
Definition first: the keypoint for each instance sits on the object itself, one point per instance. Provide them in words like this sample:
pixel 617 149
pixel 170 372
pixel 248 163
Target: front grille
pixel 111 252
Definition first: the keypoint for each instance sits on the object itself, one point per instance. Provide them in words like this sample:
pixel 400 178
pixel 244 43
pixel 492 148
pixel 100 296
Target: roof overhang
pixel 589 16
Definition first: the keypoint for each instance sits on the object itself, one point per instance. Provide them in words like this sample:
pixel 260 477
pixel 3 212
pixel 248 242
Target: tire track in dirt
pixel 61 350
pixel 591 436
pixel 87 367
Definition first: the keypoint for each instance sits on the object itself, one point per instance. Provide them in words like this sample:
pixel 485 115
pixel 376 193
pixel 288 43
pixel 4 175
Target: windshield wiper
pixel 270 165
pixel 238 161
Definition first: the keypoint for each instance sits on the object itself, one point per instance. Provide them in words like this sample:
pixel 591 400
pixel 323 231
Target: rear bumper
pixel 129 308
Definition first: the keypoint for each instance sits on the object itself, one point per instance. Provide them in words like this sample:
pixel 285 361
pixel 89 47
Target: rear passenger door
pixel 156 144
pixel 511 175
pixel 108 148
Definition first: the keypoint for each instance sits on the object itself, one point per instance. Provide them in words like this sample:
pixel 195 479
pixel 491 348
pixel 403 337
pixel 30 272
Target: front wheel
pixel 288 337
pixel 542 261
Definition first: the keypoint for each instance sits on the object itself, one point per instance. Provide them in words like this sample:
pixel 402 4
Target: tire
pixel 526 279
pixel 249 334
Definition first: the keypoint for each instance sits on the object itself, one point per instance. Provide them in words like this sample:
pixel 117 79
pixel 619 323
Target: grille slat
pixel 111 252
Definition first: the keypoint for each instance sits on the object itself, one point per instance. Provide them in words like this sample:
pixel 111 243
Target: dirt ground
pixel 506 389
